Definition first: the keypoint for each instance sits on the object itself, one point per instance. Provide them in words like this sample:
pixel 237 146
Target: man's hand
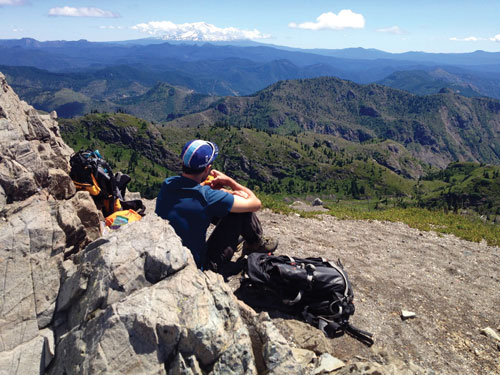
pixel 220 180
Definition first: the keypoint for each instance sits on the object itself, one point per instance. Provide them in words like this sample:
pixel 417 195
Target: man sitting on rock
pixel 192 201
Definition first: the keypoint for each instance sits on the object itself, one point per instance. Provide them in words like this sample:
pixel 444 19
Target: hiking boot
pixel 264 245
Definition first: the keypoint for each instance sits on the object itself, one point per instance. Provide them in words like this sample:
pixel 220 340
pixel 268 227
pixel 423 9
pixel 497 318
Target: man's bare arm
pixel 244 199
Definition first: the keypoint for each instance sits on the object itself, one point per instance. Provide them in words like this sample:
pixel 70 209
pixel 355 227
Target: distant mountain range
pixel 286 123
pixel 458 80
pixel 237 68
pixel 255 51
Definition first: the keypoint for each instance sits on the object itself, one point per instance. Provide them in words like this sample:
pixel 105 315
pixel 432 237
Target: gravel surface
pixel 452 285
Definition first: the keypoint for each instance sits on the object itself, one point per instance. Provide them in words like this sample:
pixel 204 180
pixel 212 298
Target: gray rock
pixel 31 245
pixel 31 255
pixel 80 221
pixel 3 197
pixel 34 190
pixel 405 314
pixel 48 347
pixel 383 362
pixel 32 150
pixel 46 279
pixel 317 202
pixel 18 323
pixel 137 300
pixel 28 358
pixel 374 368
pixel 60 184
pixel 277 353
pixel 303 356
pixel 491 333
pixel 307 207
pixel 125 261
pixel 305 336
pixel 132 195
pixel 75 284
pixel 188 366
pixel 327 363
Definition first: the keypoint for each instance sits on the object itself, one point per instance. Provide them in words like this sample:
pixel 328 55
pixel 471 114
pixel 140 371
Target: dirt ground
pixel 452 285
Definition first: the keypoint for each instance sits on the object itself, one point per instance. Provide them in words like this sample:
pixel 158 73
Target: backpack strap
pixel 333 329
pixel 330 328
pixel 363 336
pixel 296 300
pixel 341 271
pixel 137 205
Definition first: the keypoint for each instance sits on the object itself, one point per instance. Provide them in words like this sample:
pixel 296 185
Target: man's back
pixel 190 207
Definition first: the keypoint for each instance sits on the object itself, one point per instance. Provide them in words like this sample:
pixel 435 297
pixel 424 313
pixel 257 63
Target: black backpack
pixel 317 289
pixel 90 172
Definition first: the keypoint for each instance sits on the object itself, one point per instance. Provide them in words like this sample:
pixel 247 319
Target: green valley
pixel 286 167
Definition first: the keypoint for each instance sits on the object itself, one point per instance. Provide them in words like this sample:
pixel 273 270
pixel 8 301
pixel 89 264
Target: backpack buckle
pixel 310 267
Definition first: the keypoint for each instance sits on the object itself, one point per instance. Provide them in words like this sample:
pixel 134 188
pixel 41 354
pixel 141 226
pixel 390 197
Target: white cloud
pixel 82 12
pixel 13 2
pixel 495 38
pixel 17 30
pixel 468 39
pixel 392 30
pixel 346 19
pixel 111 27
pixel 200 31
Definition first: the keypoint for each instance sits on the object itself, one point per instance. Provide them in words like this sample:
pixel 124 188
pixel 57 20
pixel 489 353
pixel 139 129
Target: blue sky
pixel 393 26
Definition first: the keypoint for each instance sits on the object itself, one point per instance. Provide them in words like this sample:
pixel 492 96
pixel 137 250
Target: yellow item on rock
pixel 119 218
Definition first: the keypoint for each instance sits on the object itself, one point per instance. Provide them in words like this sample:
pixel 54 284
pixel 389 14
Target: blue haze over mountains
pixel 265 63
pixel 75 77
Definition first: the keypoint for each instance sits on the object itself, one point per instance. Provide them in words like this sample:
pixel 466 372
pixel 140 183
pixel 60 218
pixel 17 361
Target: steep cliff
pixel 42 220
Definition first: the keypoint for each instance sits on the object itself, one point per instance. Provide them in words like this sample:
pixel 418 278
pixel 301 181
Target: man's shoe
pixel 264 245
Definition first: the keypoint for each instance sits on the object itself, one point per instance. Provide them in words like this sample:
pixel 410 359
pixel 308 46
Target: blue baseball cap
pixel 197 154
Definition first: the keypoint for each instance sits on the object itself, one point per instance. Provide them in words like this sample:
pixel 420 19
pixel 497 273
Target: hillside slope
pixel 271 163
pixel 436 129
pixel 432 81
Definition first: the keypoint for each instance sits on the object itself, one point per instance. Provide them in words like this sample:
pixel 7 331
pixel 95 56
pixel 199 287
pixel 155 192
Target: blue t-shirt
pixel 190 207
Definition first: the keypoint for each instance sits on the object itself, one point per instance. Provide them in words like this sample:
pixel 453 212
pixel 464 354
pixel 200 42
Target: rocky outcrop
pixel 136 303
pixel 138 135
pixel 33 155
pixel 41 220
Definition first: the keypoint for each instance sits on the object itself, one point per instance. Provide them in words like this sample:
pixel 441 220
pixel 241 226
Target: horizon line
pixel 229 42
